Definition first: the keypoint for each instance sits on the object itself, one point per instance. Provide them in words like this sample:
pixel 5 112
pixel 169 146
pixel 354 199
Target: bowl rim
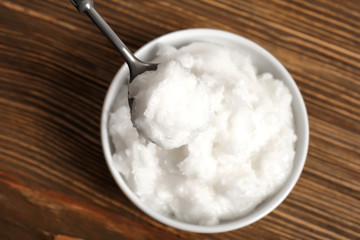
pixel 222 227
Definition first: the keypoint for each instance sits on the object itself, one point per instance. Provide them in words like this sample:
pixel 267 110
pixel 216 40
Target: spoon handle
pixel 87 6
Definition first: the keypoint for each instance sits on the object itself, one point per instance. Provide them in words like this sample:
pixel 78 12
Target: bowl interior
pixel 264 62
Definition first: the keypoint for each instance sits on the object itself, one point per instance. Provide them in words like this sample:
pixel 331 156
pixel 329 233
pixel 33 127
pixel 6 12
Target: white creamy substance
pixel 171 105
pixel 242 154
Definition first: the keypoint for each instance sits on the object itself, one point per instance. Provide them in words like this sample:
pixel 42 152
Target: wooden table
pixel 55 68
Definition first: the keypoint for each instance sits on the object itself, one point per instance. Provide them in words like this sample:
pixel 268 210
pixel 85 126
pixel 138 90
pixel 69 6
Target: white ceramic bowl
pixel 265 62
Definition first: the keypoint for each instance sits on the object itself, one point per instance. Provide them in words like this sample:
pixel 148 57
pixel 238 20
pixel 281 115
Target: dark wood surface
pixel 55 68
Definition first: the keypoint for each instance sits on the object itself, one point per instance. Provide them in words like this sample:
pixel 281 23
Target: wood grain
pixel 55 68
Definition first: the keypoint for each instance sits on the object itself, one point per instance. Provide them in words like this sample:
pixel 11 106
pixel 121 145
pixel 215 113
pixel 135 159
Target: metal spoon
pixel 135 65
